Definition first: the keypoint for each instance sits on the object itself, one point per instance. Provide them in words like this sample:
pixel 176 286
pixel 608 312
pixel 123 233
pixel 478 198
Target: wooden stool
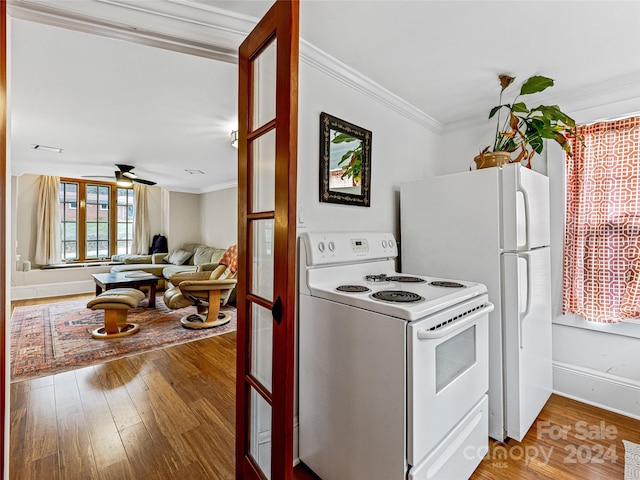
pixel 116 304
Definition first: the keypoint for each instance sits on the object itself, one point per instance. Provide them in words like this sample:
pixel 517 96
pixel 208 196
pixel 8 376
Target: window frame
pixel 81 218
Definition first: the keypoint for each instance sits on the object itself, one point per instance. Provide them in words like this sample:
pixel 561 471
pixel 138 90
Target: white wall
pixel 219 217
pixel 597 364
pixel 401 150
pixel 184 219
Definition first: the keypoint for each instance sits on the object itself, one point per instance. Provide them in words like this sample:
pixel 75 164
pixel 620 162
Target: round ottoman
pixel 116 303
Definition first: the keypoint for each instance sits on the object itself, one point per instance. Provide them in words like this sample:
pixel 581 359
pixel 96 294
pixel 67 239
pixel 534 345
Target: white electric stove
pixel 393 368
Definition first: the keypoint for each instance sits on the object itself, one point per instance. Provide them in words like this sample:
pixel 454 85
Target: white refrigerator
pixel 492 226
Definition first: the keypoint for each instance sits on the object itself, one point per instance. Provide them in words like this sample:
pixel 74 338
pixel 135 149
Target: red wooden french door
pixel 3 224
pixel 267 178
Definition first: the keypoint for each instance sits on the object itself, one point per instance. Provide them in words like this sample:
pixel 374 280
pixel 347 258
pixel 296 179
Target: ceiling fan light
pixel 123 181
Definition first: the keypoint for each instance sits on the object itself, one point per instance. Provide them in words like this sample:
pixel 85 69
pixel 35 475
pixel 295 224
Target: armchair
pixel 206 291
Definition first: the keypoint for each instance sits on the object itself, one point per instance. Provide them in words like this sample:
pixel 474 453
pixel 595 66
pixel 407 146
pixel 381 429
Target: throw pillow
pixel 137 259
pixel 230 259
pixel 178 257
pixel 189 246
pixel 207 255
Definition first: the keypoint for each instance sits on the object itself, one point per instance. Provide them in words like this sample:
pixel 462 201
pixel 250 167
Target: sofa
pixel 189 257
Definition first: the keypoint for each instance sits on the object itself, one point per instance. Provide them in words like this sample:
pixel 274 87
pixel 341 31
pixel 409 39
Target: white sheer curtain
pixel 141 237
pixel 48 224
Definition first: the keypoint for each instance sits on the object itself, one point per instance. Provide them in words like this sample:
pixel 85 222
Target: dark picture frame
pixel 345 162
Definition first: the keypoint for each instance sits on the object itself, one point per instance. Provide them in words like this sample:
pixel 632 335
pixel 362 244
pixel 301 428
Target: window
pixel 96 220
pixel 124 206
pixel 602 238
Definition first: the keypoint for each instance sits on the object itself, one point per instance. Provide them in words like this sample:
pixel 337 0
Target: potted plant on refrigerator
pixel 524 129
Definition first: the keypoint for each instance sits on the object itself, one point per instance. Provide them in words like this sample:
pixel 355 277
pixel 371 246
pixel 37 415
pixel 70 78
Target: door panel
pixel 525 208
pixel 264 85
pixel 262 345
pixel 3 221
pixel 527 323
pixel 267 179
pixel 262 259
pixel 260 432
pixel 264 171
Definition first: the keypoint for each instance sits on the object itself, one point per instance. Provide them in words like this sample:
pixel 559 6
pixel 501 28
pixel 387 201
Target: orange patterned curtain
pixel 602 238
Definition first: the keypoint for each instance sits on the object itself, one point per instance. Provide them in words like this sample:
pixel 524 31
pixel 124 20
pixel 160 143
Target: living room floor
pixel 170 414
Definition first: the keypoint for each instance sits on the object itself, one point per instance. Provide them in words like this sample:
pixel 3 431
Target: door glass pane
pixel 264 86
pixel 261 344
pixel 262 259
pixel 260 432
pixel 454 357
pixel 264 172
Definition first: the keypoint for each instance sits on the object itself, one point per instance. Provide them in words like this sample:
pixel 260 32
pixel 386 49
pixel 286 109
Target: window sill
pixel 79 265
pixel 627 328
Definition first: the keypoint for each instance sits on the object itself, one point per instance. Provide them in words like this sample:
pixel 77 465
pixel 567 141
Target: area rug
pixel 631 460
pixel 53 338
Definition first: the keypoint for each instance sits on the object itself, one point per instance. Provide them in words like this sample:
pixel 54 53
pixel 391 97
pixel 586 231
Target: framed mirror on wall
pixel 345 162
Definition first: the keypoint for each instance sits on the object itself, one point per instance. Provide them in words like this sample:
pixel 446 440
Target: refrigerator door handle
pixel 527 310
pixel 527 213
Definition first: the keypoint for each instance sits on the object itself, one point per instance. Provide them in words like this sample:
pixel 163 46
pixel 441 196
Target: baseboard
pixel 609 392
pixel 23 292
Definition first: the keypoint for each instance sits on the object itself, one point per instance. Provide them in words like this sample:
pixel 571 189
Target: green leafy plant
pixel 351 161
pixel 525 128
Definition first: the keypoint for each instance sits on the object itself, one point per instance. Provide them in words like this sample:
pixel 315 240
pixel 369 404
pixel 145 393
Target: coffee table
pixel 134 279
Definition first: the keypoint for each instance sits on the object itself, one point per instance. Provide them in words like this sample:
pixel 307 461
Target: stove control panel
pixel 339 247
pixel 359 245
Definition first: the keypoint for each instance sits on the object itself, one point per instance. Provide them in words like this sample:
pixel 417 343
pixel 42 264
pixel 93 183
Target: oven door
pixel 448 372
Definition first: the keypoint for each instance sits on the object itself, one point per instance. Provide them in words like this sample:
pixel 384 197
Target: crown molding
pixel 220 186
pixel 134 24
pixel 201 191
pixel 195 28
pixel 340 71
pixel 623 90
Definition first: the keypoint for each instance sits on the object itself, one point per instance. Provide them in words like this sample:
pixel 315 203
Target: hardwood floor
pixel 569 440
pixel 170 414
pixel 167 414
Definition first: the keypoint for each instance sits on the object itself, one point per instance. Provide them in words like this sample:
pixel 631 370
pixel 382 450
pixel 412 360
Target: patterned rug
pixel 52 338
pixel 631 460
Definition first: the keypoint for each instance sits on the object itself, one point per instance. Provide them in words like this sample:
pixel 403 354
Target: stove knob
pixel 384 244
pixel 321 246
pixel 390 243
pixel 332 246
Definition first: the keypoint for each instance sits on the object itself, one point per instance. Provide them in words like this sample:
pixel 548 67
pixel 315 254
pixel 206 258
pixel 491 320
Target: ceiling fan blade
pixel 124 168
pixel 143 181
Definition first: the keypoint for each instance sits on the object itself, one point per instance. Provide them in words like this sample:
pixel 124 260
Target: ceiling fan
pixel 124 176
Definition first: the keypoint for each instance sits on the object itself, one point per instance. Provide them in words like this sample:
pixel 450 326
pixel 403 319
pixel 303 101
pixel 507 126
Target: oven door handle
pixel 454 326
